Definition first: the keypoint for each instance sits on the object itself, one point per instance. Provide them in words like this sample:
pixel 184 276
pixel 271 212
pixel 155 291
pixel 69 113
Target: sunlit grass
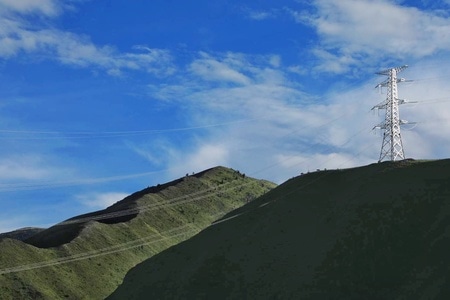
pixel 92 263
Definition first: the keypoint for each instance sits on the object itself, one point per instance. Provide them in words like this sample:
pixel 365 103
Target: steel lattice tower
pixel 392 147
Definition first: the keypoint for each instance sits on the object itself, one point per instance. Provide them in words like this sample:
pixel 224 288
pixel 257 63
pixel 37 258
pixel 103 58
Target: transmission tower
pixel 392 147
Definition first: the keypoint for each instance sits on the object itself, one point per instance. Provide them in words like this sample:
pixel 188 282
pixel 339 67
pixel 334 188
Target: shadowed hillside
pixel 21 234
pixel 378 232
pixel 86 257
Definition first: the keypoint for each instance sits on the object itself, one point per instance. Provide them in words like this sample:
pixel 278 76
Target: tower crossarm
pixel 381 105
pixel 380 126
pixel 387 71
pixel 387 81
pixel 384 83
pixel 384 104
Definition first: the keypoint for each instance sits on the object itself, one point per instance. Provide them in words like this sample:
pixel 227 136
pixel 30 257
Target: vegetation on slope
pixel 86 257
pixel 21 234
pixel 378 232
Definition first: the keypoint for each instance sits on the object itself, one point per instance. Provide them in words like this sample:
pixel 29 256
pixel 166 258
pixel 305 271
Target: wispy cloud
pixel 19 37
pixel 207 154
pixel 284 129
pixel 46 7
pixel 352 31
pixel 211 69
pixel 259 15
pixel 100 200
pixel 333 63
pixel 297 70
pixel 10 223
pixel 158 152
pixel 28 168
pixel 285 120
pixel 291 130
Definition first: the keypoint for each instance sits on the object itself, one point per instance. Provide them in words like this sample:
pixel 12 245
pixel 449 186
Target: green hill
pixel 21 234
pixel 376 232
pixel 86 257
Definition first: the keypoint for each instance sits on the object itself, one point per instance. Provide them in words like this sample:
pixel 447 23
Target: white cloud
pixel 149 155
pixel 275 61
pixel 9 223
pixel 23 167
pixel 289 132
pixel 297 70
pixel 259 15
pixel 100 200
pixel 46 7
pixel 356 31
pixel 152 151
pixel 17 37
pixel 321 161
pixel 206 156
pixel 28 171
pixel 333 63
pixel 215 70
pixel 283 120
pixel 78 51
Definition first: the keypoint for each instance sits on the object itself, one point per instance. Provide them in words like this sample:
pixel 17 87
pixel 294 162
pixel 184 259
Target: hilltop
pixel 87 256
pixel 379 231
pixel 21 233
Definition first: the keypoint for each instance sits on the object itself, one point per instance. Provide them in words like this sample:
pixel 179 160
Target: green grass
pixel 378 232
pixel 120 242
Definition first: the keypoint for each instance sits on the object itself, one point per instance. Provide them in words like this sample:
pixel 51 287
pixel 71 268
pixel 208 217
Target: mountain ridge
pixel 21 233
pixel 377 230
pixel 99 253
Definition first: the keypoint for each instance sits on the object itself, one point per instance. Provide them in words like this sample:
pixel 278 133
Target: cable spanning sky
pixel 99 99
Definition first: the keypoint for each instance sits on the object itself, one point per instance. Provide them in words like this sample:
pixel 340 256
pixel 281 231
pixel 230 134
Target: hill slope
pixel 86 257
pixel 381 231
pixel 21 234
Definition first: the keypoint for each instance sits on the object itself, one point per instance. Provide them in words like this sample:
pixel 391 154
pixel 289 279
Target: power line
pixel 196 196
pixel 134 243
pixel 433 100
pixel 108 134
pixel 182 199
pixel 75 182
pixel 147 240
pixel 20 187
pixel 175 201
pixel 15 187
pixel 151 239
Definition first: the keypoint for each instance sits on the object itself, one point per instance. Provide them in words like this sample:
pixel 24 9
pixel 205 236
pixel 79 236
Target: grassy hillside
pixel 86 257
pixel 375 232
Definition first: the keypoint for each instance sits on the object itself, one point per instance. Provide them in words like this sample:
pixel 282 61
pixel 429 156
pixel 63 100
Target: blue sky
pixel 99 99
